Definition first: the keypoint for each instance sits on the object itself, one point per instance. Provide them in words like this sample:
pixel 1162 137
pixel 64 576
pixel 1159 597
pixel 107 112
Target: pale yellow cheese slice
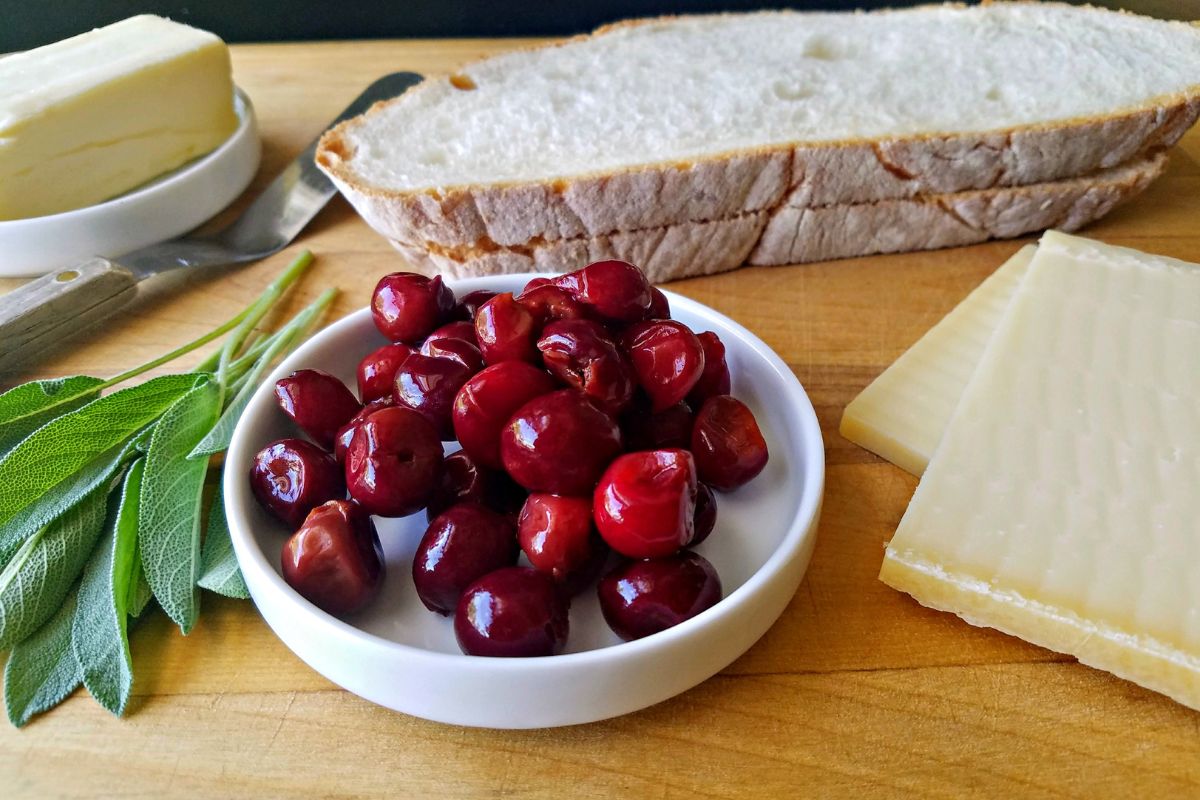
pixel 1062 504
pixel 901 416
pixel 90 117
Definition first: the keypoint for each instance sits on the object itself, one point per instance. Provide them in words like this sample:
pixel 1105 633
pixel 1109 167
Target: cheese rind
pixel 902 414
pixel 1060 505
pixel 1142 659
pixel 91 117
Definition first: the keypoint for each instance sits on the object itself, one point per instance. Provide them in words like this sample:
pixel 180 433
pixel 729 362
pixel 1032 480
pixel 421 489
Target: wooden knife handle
pixel 43 312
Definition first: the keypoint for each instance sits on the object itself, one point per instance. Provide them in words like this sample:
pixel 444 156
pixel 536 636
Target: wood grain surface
pixel 856 690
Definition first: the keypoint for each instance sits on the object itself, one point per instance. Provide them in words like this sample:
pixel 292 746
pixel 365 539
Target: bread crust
pixel 664 253
pixel 768 178
pixel 791 235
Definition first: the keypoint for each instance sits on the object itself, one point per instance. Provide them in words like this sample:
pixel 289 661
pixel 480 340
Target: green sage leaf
pixel 101 472
pixel 140 593
pixel 35 581
pixel 169 522
pixel 42 670
pixel 25 408
pixel 67 457
pixel 100 636
pixel 219 571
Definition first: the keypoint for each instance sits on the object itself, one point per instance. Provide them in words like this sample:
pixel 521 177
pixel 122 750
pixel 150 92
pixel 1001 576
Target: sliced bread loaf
pixel 798 235
pixel 659 122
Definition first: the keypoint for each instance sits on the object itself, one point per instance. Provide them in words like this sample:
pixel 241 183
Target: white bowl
pixel 398 654
pixel 166 207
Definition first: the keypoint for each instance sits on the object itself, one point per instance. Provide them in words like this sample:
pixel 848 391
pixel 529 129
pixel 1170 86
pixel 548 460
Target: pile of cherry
pixel 588 420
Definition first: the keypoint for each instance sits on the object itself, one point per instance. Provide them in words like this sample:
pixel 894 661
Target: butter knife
pixel 42 313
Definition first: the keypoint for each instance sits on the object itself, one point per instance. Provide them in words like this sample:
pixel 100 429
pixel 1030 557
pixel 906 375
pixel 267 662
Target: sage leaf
pixel 140 593
pixel 169 522
pixel 219 570
pixel 25 408
pixel 42 670
pixel 57 453
pixel 35 581
pixel 100 472
pixel 100 635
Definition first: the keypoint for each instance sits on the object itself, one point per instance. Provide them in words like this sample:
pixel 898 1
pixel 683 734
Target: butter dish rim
pixel 164 208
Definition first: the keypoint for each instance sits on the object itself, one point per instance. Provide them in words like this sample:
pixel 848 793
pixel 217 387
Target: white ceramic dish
pixel 166 207
pixel 398 654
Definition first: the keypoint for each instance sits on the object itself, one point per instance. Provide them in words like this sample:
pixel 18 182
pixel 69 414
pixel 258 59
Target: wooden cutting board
pixel 856 689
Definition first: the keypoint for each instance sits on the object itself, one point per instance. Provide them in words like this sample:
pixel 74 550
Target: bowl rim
pixel 802 526
pixel 243 108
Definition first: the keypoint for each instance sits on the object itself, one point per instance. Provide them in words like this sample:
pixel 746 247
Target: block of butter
pixel 1061 504
pixel 93 116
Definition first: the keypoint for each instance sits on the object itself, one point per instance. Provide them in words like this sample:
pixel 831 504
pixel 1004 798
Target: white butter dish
pixel 165 208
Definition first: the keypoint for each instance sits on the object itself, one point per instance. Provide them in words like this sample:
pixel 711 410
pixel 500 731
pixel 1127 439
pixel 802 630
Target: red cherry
pixel 660 306
pixel 407 306
pixel 617 290
pixel 317 402
pixel 729 447
pixel 462 544
pixel 505 331
pixel 394 462
pixel 509 497
pixel 464 481
pixel 428 386
pixel 488 400
pixel 459 329
pixel 705 518
pixel 645 503
pixel 667 358
pixel 458 351
pixel 334 561
pixel 455 341
pixel 534 283
pixel 291 477
pixel 559 443
pixel 581 354
pixel 512 612
pixel 469 303
pixel 644 597
pixel 646 430
pixel 377 371
pixel 547 303
pixel 714 379
pixel 346 432
pixel 556 533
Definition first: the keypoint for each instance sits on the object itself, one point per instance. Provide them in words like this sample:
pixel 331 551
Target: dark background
pixel 29 23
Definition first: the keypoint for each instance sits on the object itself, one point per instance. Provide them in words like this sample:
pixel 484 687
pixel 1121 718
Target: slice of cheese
pixel 901 416
pixel 90 117
pixel 1062 504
